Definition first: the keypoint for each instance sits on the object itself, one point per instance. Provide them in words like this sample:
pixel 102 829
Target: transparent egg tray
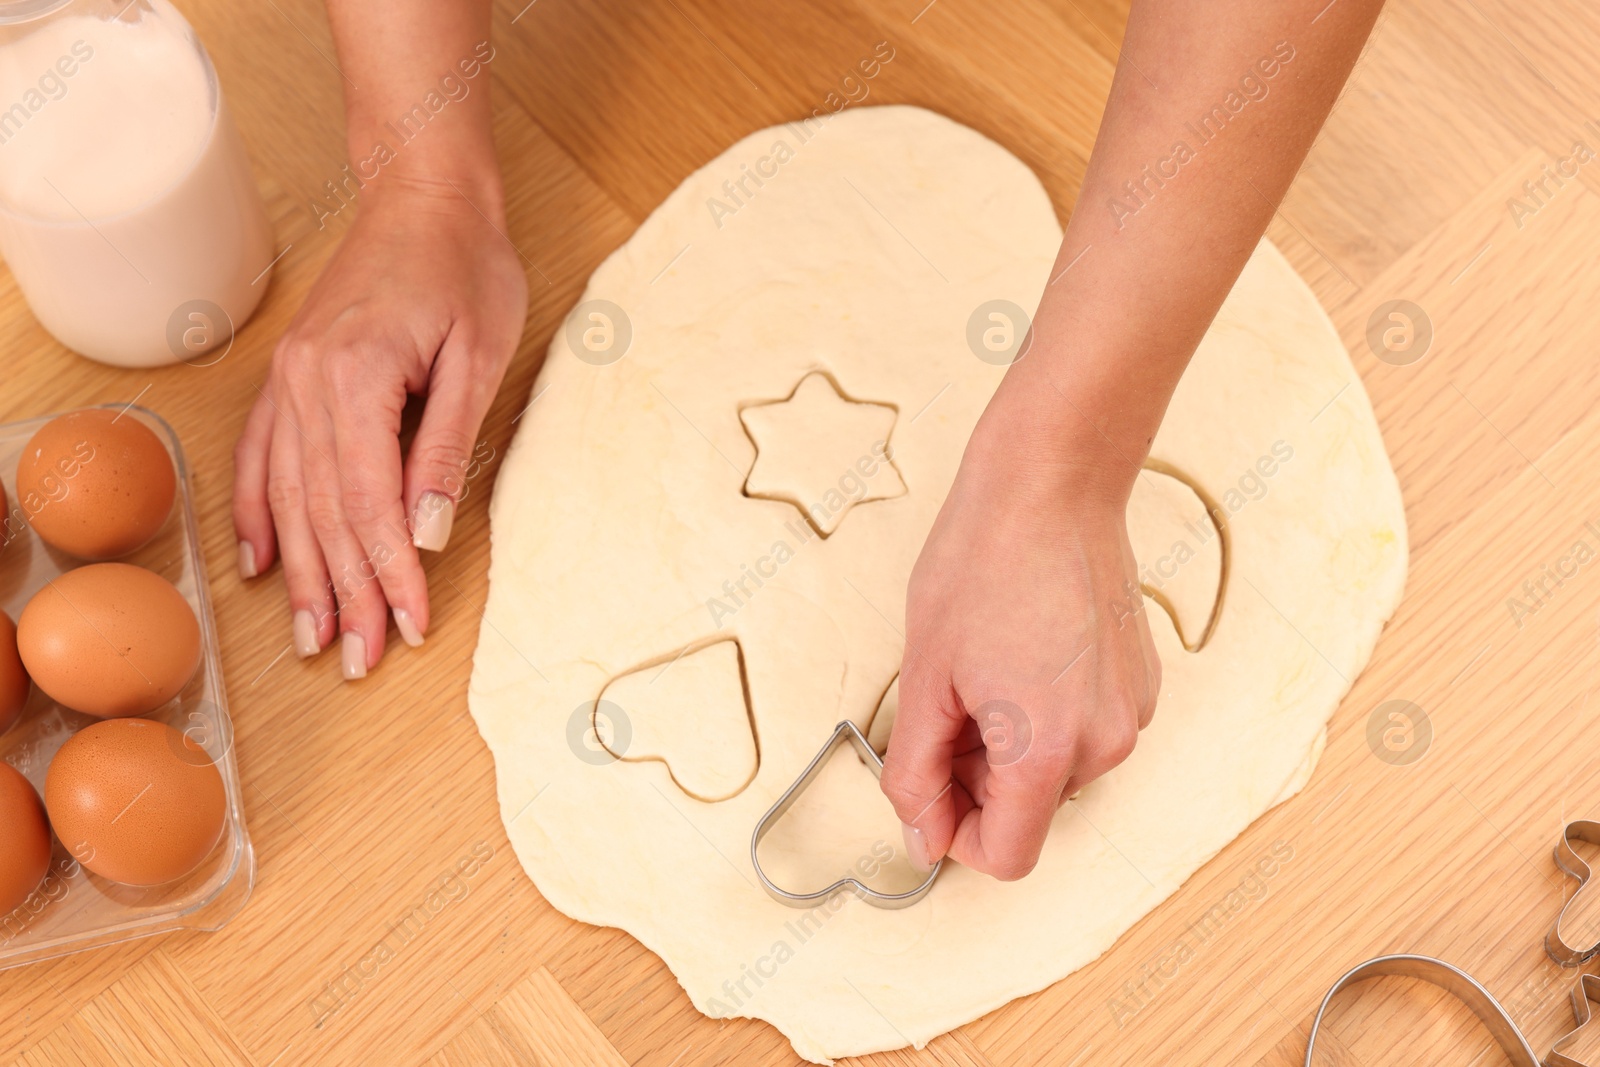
pixel 73 909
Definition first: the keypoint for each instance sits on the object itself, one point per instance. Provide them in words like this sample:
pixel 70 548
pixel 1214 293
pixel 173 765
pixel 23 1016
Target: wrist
pixel 445 159
pixel 1054 432
pixel 476 190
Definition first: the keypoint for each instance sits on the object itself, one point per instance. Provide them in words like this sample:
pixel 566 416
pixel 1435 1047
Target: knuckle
pixel 325 511
pixel 1124 707
pixel 902 795
pixel 345 372
pixel 1013 867
pixel 294 353
pixel 365 507
pixel 445 449
pixel 285 495
pixel 1120 739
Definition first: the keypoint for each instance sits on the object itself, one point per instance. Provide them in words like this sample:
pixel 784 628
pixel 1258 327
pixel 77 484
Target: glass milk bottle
pixel 128 213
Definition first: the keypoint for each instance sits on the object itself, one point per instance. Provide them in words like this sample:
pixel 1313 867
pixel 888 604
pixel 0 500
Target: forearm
pixel 1213 108
pixel 417 94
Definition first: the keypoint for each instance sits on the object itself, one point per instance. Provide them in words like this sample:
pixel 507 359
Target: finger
pixel 1147 645
pixel 362 608
pixel 443 452
pixel 1148 673
pixel 971 772
pixel 1147 708
pixel 252 511
pixel 917 770
pixel 366 435
pixel 304 571
pixel 1109 743
pixel 1004 837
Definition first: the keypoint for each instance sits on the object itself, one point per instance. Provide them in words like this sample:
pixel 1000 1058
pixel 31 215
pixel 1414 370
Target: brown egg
pixel 110 639
pixel 96 484
pixel 13 676
pixel 24 839
pixel 135 801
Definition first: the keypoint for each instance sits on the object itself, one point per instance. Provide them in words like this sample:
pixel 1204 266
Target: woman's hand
pixel 1029 668
pixel 424 296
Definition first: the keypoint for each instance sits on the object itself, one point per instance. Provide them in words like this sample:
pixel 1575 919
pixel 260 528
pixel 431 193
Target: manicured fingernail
pixel 431 522
pixel 247 560
pixel 407 627
pixel 916 847
pixel 353 656
pixel 305 634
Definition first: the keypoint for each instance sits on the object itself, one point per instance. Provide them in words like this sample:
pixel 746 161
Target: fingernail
pixel 305 634
pixel 247 560
pixel 353 656
pixel 916 847
pixel 431 522
pixel 407 627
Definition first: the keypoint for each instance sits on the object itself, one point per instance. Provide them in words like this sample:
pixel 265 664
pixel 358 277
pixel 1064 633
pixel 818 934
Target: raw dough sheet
pixel 740 381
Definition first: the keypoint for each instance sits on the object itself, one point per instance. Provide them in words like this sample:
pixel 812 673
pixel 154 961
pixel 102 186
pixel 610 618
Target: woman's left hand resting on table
pixel 425 297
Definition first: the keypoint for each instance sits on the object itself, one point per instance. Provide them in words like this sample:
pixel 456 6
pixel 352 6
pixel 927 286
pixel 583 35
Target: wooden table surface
pixel 360 797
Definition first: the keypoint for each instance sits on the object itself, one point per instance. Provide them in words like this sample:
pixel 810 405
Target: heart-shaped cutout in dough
pixel 692 713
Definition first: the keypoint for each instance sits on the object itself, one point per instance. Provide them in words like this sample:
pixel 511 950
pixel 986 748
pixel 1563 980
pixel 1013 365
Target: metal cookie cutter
pixel 1463 987
pixel 1586 989
pixel 846 730
pixel 1572 863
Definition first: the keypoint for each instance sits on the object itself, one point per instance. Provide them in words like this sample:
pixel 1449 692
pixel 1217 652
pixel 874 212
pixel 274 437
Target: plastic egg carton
pixel 73 910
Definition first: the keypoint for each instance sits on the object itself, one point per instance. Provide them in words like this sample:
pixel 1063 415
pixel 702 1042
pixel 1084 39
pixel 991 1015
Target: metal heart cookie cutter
pixel 1468 990
pixel 845 731
pixel 1463 987
pixel 1572 863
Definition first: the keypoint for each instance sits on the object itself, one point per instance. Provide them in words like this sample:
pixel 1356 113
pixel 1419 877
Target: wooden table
pixel 360 797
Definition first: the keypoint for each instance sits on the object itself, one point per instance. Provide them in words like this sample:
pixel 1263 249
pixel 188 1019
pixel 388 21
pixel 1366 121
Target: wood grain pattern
pixel 361 797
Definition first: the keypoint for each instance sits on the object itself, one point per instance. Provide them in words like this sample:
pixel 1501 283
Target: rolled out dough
pixel 622 537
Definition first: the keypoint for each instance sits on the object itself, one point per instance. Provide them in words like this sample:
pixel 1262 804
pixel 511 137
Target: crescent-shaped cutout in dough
pixel 1181 548
pixel 1182 552
pixel 691 712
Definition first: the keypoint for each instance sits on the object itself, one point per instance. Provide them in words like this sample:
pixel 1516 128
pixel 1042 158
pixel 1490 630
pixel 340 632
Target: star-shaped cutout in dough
pixel 821 451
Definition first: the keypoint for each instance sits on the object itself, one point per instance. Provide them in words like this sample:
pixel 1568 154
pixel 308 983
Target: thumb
pixel 444 455
pixel 917 770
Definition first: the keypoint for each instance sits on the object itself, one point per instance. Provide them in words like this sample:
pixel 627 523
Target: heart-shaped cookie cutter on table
pixel 1453 980
pixel 1468 990
pixel 1572 863
pixel 845 731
